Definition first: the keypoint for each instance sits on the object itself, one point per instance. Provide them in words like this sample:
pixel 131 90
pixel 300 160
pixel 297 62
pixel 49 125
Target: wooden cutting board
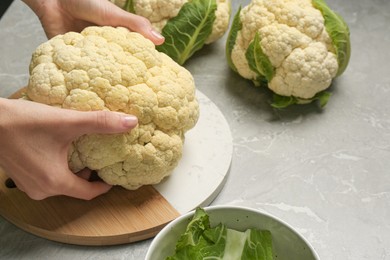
pixel 118 217
pixel 123 216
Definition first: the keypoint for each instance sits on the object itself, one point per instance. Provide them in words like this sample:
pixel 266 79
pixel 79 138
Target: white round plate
pixel 207 156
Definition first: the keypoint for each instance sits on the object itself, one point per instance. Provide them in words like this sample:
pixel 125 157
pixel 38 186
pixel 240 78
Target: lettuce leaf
pixel 285 101
pixel 258 61
pixel 187 32
pixel 129 6
pixel 201 241
pixel 231 39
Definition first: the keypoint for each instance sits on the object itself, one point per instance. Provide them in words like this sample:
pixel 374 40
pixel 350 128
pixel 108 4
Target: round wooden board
pixel 123 216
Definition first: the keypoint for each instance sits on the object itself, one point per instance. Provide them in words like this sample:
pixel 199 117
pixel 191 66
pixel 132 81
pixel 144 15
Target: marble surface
pixel 326 172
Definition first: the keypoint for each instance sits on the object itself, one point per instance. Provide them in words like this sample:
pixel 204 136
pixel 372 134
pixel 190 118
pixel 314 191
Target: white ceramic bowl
pixel 288 243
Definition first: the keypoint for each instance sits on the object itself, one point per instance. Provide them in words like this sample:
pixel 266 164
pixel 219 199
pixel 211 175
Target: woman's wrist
pixel 35 6
pixel 3 111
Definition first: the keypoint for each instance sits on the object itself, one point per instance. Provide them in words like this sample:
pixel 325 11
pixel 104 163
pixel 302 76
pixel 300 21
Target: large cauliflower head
pixel 295 46
pixel 106 68
pixel 186 24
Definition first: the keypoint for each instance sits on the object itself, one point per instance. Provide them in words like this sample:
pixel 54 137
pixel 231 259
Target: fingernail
pixel 129 121
pixel 156 34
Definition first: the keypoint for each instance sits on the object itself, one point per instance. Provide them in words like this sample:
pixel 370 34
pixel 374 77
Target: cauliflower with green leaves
pixel 186 24
pixel 106 68
pixel 296 47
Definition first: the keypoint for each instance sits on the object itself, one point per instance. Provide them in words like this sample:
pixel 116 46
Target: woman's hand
pixel 61 16
pixel 34 145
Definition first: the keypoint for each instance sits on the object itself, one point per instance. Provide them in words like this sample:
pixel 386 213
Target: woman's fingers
pixel 80 188
pixel 97 122
pixel 103 12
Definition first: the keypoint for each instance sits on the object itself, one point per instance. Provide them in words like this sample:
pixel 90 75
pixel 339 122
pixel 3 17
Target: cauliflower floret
pixel 305 72
pixel 294 46
pixel 106 68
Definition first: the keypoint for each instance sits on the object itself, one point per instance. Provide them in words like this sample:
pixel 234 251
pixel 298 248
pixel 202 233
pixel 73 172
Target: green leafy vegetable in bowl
pixel 201 241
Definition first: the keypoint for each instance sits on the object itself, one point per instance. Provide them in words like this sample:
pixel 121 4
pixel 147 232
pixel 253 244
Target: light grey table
pixel 327 173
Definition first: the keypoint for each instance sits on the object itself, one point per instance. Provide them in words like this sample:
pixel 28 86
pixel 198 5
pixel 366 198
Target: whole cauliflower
pixel 186 24
pixel 106 68
pixel 296 47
